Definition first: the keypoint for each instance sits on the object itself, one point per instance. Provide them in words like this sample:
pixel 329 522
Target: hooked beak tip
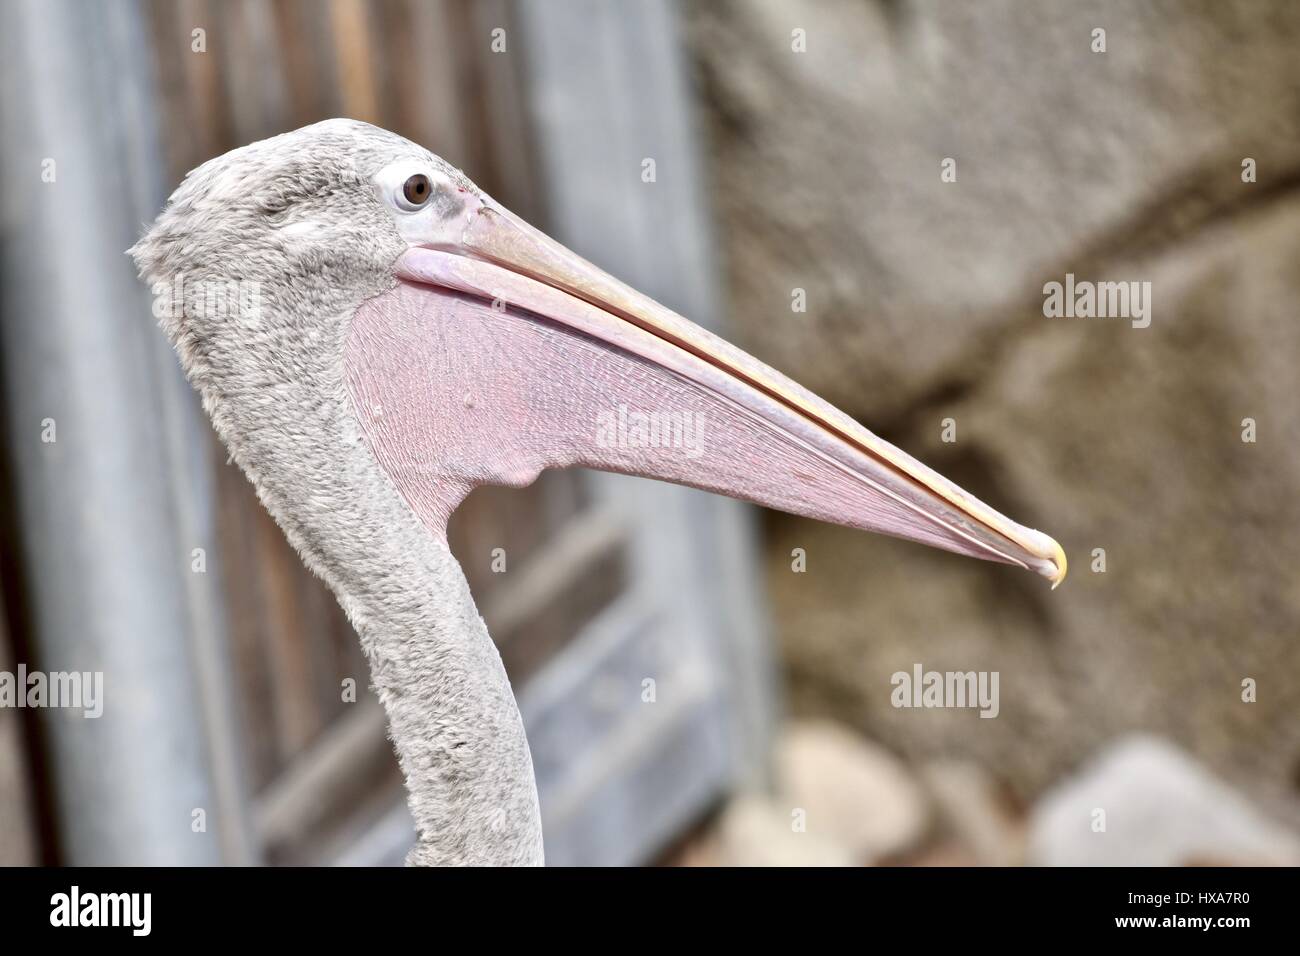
pixel 1062 565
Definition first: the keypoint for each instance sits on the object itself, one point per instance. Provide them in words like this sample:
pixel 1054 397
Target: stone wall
pixel 925 302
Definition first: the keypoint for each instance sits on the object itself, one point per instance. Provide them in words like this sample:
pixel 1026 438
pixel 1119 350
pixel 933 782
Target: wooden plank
pixel 605 89
pixel 552 596
pixel 620 771
pixel 105 551
pixel 352 47
pixel 311 789
pixel 19 845
pixel 323 777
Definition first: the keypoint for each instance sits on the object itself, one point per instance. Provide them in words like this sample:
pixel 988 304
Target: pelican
pixel 373 336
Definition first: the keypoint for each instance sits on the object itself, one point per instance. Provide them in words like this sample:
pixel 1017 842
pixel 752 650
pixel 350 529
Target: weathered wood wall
pixel 403 65
pixel 607 582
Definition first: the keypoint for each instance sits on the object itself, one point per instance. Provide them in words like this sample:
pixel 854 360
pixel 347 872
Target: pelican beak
pixel 769 440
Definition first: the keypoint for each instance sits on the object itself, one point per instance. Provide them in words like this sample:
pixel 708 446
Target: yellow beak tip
pixel 1058 556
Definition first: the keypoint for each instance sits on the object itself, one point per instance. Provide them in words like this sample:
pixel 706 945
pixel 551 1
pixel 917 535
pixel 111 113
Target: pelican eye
pixel 417 190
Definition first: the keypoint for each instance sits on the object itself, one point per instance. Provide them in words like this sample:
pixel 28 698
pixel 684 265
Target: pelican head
pixel 474 349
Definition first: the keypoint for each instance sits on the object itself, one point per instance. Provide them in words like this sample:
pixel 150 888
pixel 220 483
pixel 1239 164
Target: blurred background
pixel 912 172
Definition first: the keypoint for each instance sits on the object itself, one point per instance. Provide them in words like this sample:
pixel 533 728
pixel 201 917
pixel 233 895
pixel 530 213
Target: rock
pixel 924 301
pixel 1161 809
pixel 854 794
pixel 829 161
pixel 755 831
pixel 973 811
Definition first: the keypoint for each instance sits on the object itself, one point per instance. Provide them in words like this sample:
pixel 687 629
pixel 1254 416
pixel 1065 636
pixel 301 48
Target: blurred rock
pixel 943 853
pixel 973 811
pixel 1161 809
pixel 754 831
pixel 829 160
pixel 925 302
pixel 855 794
